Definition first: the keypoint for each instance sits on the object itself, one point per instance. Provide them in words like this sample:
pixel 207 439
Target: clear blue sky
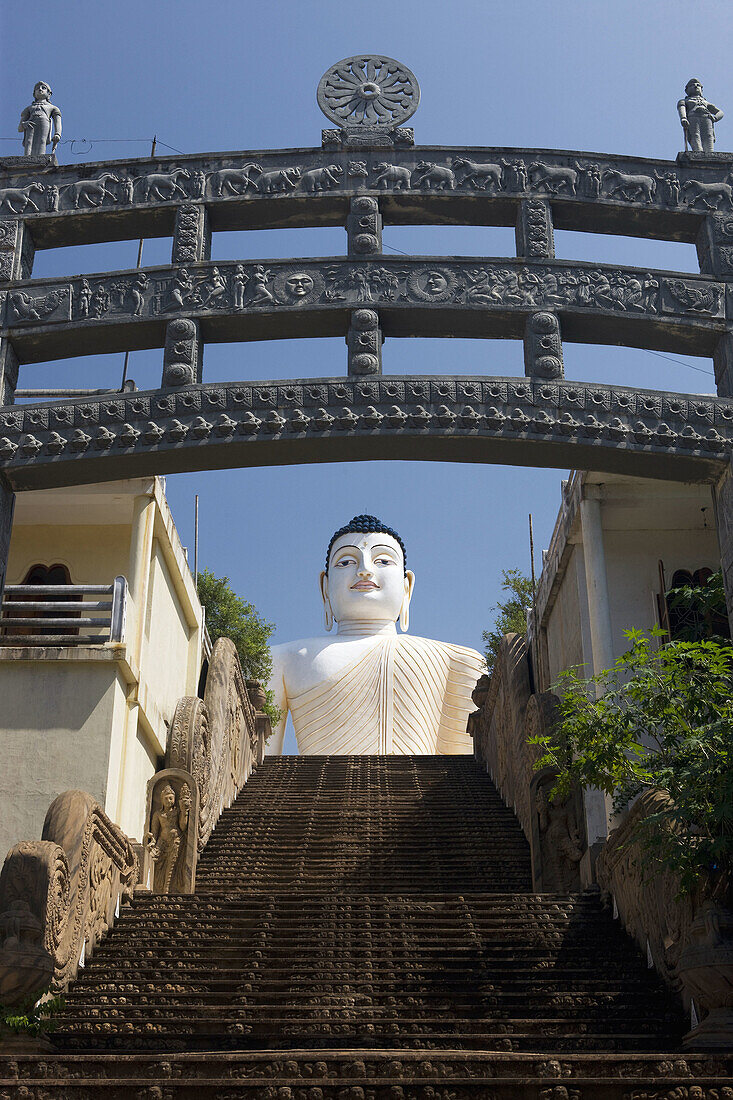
pixel 576 74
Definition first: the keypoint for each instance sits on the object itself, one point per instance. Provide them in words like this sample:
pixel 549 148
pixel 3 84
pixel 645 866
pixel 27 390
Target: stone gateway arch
pixel 368 171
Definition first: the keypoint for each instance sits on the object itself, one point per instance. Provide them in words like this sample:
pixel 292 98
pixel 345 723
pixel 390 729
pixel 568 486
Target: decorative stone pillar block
pixel 8 370
pixel 16 250
pixel 364 227
pixel 543 346
pixel 723 365
pixel 183 353
pixel 534 232
pixel 7 506
pixel 715 245
pixel 172 830
pixel 365 343
pixel 192 234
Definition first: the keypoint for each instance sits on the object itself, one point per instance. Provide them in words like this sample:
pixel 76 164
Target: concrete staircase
pixel 364 927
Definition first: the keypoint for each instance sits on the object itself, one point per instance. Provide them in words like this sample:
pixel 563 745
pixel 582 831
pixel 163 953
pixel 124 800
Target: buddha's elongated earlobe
pixel 327 609
pixel 405 609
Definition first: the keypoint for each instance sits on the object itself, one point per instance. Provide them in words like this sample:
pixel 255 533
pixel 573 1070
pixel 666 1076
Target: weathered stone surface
pixel 476 419
pixel 58 895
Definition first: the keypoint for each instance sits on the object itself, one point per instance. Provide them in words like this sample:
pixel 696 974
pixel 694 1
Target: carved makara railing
pixel 213 746
pixel 59 895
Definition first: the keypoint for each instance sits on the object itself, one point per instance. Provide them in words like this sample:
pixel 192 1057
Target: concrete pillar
pixel 723 498
pixel 7 506
pixel 599 609
pixel 141 546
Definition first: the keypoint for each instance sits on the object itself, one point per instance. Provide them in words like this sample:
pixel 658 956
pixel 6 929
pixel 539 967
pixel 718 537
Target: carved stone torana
pixel 364 227
pixel 172 830
pixel 182 354
pixel 215 739
pixel 365 343
pixel 543 346
pixel 534 232
pixel 58 895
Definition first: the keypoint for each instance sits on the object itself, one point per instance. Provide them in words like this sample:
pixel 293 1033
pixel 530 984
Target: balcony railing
pixel 63 614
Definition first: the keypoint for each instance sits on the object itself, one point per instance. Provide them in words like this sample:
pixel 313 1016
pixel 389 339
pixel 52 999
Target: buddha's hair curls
pixel 367 525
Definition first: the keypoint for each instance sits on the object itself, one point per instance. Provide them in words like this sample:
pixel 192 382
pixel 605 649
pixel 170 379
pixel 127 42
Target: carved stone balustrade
pixel 689 937
pixel 59 895
pixel 214 744
pixel 509 714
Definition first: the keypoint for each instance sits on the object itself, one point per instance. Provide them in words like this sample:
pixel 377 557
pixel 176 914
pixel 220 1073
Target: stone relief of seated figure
pixel 369 690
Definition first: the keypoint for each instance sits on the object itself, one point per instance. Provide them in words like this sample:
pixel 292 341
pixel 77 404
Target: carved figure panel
pixel 172 831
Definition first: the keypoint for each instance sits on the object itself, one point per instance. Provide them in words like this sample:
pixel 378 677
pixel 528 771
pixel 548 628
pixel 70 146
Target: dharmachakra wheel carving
pixel 368 90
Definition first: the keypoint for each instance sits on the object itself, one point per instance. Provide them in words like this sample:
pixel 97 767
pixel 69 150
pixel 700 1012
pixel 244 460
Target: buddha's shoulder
pixel 302 650
pixel 449 648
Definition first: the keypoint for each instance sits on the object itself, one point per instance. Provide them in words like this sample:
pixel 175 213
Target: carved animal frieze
pixel 91 192
pixel 20 200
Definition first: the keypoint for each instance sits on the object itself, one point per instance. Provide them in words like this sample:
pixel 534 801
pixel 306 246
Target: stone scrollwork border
pixel 476 419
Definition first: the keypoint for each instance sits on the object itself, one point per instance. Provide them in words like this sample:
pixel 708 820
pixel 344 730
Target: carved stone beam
pixel 364 341
pixel 192 234
pixel 364 227
pixel 543 346
pixel 183 353
pixel 534 231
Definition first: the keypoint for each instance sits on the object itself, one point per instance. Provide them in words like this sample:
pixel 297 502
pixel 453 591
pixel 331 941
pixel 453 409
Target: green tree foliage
pixel 32 1016
pixel 663 720
pixel 511 613
pixel 230 616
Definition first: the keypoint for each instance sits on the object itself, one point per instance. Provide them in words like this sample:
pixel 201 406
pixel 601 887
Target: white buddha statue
pixel 370 690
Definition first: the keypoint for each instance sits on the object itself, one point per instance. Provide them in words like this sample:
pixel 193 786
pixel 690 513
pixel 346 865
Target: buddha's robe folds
pixel 405 696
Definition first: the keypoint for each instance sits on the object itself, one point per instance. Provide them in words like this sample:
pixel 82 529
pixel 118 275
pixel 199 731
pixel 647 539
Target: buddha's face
pixel 366 578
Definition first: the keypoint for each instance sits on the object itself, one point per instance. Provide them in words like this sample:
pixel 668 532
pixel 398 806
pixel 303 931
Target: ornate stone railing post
pixel 214 744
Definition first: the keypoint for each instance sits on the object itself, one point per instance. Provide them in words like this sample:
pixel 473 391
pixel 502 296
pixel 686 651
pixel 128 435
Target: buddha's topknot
pixel 366 525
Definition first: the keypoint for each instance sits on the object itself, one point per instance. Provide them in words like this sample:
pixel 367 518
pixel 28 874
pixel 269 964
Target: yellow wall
pixel 93 555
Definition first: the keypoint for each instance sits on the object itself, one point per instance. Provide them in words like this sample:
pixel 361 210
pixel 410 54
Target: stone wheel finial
pixel 368 90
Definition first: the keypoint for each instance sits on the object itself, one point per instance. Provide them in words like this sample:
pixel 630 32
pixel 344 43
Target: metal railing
pixel 63 614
